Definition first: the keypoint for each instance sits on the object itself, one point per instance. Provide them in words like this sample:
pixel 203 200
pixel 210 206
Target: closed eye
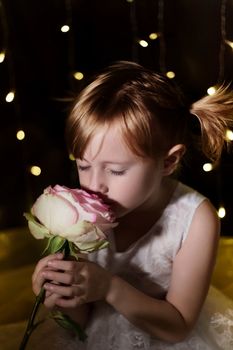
pixel 82 168
pixel 117 172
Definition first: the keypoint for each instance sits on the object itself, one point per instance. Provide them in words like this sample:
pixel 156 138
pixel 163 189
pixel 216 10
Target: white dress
pixel 147 265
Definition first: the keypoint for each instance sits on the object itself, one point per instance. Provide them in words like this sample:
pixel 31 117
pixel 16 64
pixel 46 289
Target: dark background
pixel 39 66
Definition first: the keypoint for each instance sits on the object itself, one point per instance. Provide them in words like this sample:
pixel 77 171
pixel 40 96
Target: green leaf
pixel 56 244
pixel 73 250
pixel 46 250
pixel 66 322
pixel 92 246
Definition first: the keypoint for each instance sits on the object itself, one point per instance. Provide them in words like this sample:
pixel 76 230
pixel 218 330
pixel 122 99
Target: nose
pixel 98 184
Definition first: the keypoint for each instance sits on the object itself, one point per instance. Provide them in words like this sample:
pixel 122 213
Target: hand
pixel 75 283
pixel 38 279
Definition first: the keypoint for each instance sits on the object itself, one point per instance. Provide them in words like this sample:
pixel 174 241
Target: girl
pixel 128 131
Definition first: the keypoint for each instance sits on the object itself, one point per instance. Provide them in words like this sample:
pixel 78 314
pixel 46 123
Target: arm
pixel 171 319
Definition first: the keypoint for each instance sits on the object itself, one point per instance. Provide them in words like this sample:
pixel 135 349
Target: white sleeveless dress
pixel 147 265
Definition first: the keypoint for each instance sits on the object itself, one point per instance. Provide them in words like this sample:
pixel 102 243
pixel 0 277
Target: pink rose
pixel 72 214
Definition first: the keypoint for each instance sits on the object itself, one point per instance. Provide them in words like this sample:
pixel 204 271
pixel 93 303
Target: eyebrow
pixel 110 161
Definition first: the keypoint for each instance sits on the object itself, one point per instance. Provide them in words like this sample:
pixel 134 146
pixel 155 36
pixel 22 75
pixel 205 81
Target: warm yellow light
pixel 65 28
pixel 153 36
pixel 211 90
pixel 2 56
pixel 35 170
pixel 170 75
pixel 20 135
pixel 71 157
pixel 207 167
pixel 221 212
pixel 230 43
pixel 229 135
pixel 130 0
pixel 78 75
pixel 10 96
pixel 143 43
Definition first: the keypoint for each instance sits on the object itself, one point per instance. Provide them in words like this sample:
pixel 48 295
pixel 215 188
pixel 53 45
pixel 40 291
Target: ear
pixel 173 158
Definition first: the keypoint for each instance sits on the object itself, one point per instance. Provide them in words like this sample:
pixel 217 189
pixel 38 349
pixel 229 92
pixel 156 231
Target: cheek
pixel 83 179
pixel 129 193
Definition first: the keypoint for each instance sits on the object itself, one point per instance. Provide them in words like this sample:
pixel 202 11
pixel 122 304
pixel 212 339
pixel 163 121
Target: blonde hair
pixel 151 111
pixel 215 114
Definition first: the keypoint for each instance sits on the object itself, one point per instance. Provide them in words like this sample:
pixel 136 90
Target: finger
pixel 59 277
pixel 42 263
pixel 70 303
pixel 50 301
pixel 39 279
pixel 66 265
pixel 65 291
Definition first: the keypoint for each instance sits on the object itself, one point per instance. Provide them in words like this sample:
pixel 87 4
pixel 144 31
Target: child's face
pixel 124 180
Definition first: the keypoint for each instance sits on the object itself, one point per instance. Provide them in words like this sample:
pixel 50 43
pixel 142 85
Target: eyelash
pixel 83 168
pixel 113 172
pixel 117 173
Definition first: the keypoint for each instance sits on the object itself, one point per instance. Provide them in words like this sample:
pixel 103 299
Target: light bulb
pixel 230 43
pixel 170 75
pixel 71 157
pixel 78 75
pixel 10 96
pixel 20 135
pixel 143 43
pixel 2 56
pixel 229 135
pixel 211 90
pixel 65 28
pixel 221 212
pixel 207 167
pixel 153 36
pixel 35 170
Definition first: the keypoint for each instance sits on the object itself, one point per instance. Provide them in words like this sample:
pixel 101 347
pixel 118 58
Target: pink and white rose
pixel 72 214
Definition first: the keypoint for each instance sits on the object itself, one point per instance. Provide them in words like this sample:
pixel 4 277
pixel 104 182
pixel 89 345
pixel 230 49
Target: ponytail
pixel 215 114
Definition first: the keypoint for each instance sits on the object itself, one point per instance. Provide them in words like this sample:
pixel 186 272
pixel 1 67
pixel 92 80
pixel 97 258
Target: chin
pixel 121 212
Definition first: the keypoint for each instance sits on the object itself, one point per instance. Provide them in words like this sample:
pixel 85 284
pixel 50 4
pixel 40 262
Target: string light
pixel 229 135
pixel 153 36
pixel 221 212
pixel 20 135
pixel 78 75
pixel 10 96
pixel 65 28
pixel 170 74
pixel 35 170
pixel 207 167
pixel 71 157
pixel 211 90
pixel 143 43
pixel 230 43
pixel 2 56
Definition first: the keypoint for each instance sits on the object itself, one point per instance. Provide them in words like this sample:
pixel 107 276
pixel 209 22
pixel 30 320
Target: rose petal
pixel 37 230
pixel 54 212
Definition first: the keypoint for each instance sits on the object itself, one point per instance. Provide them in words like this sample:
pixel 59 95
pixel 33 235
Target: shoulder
pixel 206 215
pixel 182 208
pixel 205 224
pixel 203 236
